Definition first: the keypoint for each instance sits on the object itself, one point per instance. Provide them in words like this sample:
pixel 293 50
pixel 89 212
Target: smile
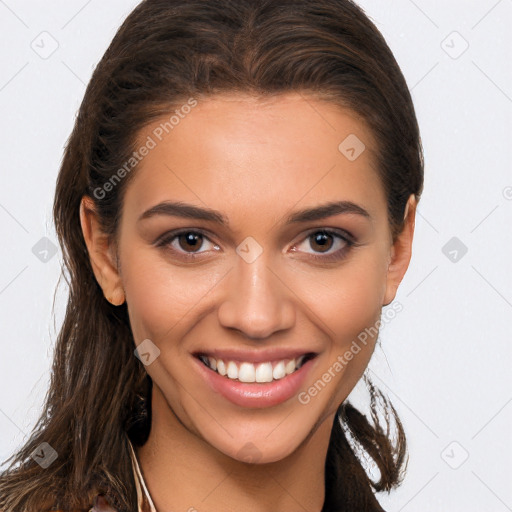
pixel 255 379
pixel 248 372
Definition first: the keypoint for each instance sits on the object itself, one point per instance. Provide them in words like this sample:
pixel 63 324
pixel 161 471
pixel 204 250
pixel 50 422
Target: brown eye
pixel 190 240
pixel 186 244
pixel 326 245
pixel 321 241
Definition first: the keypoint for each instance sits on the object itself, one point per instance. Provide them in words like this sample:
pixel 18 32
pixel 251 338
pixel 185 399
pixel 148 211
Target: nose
pixel 257 302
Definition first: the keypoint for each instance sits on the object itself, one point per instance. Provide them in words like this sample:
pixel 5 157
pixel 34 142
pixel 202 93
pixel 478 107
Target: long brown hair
pixel 166 52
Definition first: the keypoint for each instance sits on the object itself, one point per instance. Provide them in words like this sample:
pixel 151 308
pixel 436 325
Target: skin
pixel 255 162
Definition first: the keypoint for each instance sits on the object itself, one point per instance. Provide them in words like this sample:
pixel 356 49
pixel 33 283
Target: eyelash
pixel 165 240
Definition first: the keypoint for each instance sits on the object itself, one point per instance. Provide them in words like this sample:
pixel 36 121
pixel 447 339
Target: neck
pixel 184 473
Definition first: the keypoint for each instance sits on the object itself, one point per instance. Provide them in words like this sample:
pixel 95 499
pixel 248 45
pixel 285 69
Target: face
pixel 249 244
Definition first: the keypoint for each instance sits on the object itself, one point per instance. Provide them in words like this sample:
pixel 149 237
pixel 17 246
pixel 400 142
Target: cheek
pixel 160 301
pixel 349 299
pixel 350 305
pixel 356 335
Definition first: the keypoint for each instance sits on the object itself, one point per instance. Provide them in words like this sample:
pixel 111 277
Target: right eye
pixel 178 242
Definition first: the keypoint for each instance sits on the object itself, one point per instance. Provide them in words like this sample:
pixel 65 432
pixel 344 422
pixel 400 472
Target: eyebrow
pixel 189 211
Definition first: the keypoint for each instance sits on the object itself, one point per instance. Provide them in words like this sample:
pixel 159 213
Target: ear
pixel 401 251
pixel 101 253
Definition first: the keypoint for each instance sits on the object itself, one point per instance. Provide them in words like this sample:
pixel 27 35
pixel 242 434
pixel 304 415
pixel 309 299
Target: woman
pixel 235 206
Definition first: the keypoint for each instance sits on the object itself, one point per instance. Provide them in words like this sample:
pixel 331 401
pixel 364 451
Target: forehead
pixel 241 152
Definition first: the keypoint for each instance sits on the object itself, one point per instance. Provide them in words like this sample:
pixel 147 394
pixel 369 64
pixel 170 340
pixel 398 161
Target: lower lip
pixel 255 395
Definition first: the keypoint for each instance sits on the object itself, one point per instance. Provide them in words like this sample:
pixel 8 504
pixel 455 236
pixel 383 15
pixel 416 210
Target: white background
pixel 445 359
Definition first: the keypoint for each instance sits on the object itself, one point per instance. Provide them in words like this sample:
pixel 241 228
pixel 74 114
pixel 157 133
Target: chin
pixel 275 442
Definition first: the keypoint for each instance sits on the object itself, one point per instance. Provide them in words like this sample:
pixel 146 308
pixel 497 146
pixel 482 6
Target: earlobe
pixel 401 251
pixel 100 253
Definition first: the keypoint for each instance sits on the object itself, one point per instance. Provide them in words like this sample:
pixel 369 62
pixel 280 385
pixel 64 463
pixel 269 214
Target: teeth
pixel 289 367
pixel 248 372
pixel 232 370
pixel 221 367
pixel 279 371
pixel 264 372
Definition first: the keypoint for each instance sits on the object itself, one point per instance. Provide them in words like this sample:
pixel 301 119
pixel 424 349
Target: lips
pixel 254 379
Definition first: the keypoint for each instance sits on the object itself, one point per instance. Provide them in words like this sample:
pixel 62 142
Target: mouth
pixel 259 372
pixel 255 379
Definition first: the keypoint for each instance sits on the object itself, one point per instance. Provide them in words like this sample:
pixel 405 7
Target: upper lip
pixel 254 356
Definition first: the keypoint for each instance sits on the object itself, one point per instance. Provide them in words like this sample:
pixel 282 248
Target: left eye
pixel 322 241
